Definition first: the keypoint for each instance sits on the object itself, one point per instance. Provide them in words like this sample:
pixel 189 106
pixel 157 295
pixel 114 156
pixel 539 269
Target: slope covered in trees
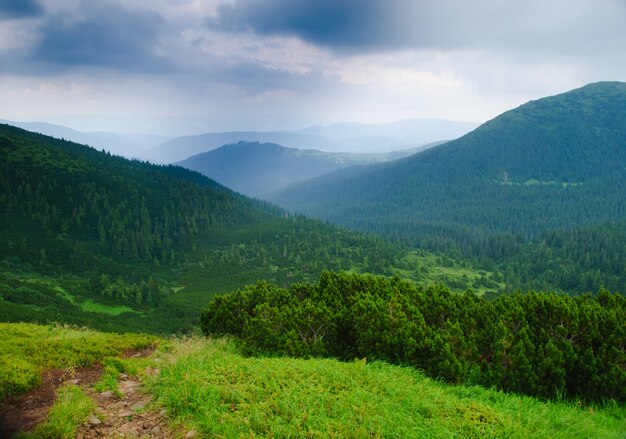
pixel 95 239
pixel 531 192
pixel 551 163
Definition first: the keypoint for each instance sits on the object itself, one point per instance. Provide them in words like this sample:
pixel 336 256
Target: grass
pixel 26 350
pixel 71 409
pixel 91 306
pixel 212 388
pixel 208 386
pixel 113 367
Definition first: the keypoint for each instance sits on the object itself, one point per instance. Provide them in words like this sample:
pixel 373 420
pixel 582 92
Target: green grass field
pixel 209 386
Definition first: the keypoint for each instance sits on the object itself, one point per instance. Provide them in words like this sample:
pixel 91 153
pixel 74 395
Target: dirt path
pixel 125 416
pixel 24 412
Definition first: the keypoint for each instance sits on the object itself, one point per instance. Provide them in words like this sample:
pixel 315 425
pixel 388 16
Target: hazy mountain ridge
pixel 261 169
pixel 411 131
pixel 348 137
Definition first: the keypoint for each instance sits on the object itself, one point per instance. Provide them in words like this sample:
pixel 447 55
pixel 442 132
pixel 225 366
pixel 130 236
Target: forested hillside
pixel 551 165
pixel 95 239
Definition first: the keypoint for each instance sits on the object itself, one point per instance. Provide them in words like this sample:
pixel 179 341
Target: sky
pixel 190 66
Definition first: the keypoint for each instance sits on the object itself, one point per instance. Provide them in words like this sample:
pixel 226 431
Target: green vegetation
pixel 71 409
pixel 541 344
pixel 91 306
pixel 26 350
pixel 93 239
pixel 118 245
pixel 456 274
pixel 215 390
pixel 210 387
pixel 452 198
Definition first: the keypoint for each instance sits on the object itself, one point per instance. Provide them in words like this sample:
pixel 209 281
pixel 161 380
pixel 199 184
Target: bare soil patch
pixel 24 412
pixel 126 416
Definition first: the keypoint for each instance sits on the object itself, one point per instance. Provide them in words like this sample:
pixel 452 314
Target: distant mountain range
pixel 345 137
pixel 261 169
pixel 409 131
pixel 552 163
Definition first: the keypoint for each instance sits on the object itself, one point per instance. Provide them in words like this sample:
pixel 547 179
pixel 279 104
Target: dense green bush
pixel 542 344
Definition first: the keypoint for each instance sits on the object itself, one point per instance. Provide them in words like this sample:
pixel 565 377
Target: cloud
pixel 101 34
pixel 360 26
pixel 14 9
pixel 250 63
pixel 347 23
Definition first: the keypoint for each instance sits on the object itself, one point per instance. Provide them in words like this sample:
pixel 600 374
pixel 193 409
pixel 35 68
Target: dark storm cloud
pixel 347 23
pixel 324 22
pixel 20 9
pixel 380 25
pixel 105 34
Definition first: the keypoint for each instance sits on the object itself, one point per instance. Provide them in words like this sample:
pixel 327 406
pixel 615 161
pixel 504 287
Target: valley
pixel 494 260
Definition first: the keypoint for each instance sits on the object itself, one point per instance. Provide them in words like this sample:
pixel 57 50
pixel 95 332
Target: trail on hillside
pixel 125 416
pixel 23 412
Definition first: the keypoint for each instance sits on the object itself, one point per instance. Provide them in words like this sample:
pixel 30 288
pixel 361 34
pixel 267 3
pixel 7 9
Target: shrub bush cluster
pixel 541 344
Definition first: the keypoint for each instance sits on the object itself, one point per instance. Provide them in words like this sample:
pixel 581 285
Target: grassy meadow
pixel 211 387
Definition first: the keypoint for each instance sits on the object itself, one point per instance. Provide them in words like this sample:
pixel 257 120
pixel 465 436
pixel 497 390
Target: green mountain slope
pixel 261 169
pixel 95 239
pixel 552 163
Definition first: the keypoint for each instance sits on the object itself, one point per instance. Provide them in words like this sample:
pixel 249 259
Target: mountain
pixel 127 145
pixel 261 169
pixel 556 162
pixel 410 131
pixel 349 137
pixel 94 239
pixel 181 148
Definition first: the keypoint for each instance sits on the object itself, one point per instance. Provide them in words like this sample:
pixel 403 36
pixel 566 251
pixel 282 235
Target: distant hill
pixel 261 169
pixel 552 163
pixel 350 137
pixel 181 148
